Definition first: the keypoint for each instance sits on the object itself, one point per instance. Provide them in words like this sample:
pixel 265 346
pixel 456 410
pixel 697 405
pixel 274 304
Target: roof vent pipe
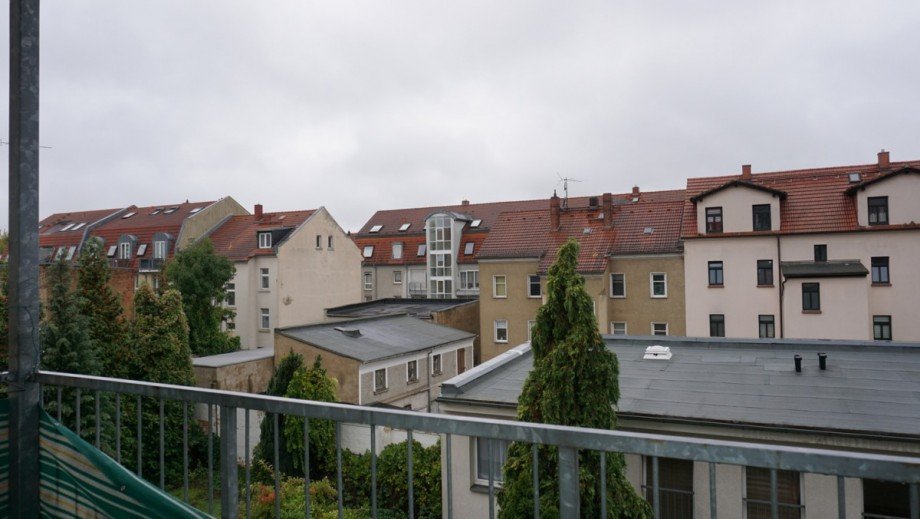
pixel 822 361
pixel 798 363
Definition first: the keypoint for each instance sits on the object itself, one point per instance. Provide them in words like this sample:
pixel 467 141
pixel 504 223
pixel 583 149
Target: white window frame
pixel 397 250
pixel 386 380
pixel 666 329
pixel 530 294
pixel 651 284
pixel 265 240
pixel 495 329
pixel 265 319
pixel 231 289
pixel 264 279
pixel 409 379
pixel 368 281
pixel 404 227
pixel 465 279
pixel 496 482
pixel 368 251
pixel 613 328
pixel 612 295
pixel 440 364
pixel 376 228
pixel 495 284
pixel 530 324
pixel 468 248
pixel 159 249
pixel 124 250
pixel 397 277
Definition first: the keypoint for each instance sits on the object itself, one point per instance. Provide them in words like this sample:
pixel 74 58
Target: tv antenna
pixel 565 188
pixel 4 142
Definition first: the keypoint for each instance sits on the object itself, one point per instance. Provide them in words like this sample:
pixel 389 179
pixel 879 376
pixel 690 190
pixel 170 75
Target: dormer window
pixel 124 250
pixel 713 219
pixel 159 249
pixel 878 210
pixel 761 217
pixel 376 228
pixel 265 240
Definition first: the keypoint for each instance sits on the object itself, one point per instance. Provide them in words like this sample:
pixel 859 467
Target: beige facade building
pixel 290 267
pixel 824 253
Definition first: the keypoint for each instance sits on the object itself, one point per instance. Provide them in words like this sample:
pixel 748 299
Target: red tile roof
pixel 50 229
pixel 383 249
pixel 816 199
pixel 237 238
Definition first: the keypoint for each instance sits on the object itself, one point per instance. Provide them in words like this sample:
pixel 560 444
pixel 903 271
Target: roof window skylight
pixel 142 249
pixel 475 224
pixel 854 177
pixel 70 252
pixel 66 227
pixel 195 210
pixel 112 249
pixel 129 215
pixel 171 210
pixel 404 227
pixel 468 248
pixel 158 210
pixel 421 250
pixel 78 226
pixel 368 251
pixel 376 228
pixel 649 230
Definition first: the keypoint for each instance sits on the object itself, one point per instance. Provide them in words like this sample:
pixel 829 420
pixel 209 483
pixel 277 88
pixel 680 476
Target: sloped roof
pixel 383 249
pixel 883 177
pixel 236 238
pixel 51 233
pixel 816 199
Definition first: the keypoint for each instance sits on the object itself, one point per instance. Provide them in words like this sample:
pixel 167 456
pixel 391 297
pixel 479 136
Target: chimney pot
pixel 258 211
pixel 798 363
pixel 746 171
pixel 822 361
pixel 883 160
pixel 635 191
pixel 465 202
pixel 554 212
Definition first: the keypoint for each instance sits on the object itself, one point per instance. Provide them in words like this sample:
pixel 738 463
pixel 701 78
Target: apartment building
pixel 290 266
pixel 825 253
pixel 630 257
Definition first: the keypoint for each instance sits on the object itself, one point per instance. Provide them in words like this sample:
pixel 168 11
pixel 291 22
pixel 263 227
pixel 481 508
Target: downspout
pixel 428 370
pixel 782 286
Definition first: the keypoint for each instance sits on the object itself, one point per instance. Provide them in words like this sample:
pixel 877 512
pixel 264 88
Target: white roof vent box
pixel 657 353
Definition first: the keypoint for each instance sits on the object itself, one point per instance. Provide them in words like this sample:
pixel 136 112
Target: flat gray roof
pixel 234 357
pixel 868 387
pixel 377 338
pixel 421 308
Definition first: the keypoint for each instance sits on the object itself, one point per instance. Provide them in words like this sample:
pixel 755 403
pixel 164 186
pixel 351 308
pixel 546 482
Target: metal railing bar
pixel 841 498
pixel 569 501
pixel 276 420
pixel 98 420
pixel 210 459
pixel 374 471
pixel 118 427
pixel 915 501
pixel 534 453
pixel 185 451
pixel 162 447
pixel 79 425
pixel 246 461
pixel 229 477
pixel 338 468
pixel 818 461
pixel 140 438
pixel 450 479
pixel 712 491
pixel 603 484
pixel 774 495
pixel 59 395
pixel 409 471
pixel 491 468
pixel 656 495
pixel 306 466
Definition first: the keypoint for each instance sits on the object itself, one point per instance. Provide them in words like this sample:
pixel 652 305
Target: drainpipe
pixel 428 370
pixel 782 286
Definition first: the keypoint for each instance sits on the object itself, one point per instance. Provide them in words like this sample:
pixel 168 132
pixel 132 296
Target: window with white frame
pixel 397 250
pixel 397 277
pixel 265 240
pixel 469 280
pixel 501 330
pixel 412 371
pixel 265 322
pixel 368 251
pixel 231 294
pixel 380 380
pixel 618 327
pixel 659 328
pixel 368 281
pixel 264 281
pixel 468 248
pixel 159 249
pixel 124 250
pixel 499 286
pixel 530 325
pixel 658 283
pixel 533 286
pixel 491 455
pixel 618 284
pixel 436 364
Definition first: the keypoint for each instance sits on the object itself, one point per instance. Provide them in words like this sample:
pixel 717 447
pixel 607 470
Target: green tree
pixel 277 386
pixel 202 276
pixel 312 384
pixel 102 306
pixel 573 382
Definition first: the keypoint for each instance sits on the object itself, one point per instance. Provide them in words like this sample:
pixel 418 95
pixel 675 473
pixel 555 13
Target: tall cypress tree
pixel 574 383
pixel 102 305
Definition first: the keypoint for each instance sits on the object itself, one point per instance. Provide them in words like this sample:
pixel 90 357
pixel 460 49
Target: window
pixel 811 297
pixel 319 241
pixel 421 250
pixel 499 286
pixel 501 330
pixel 761 217
pixel 397 250
pixel 265 319
pixel 412 371
pixel 764 273
pixel 675 486
pixel 124 250
pixel 368 281
pixel 171 210
pixel 659 328
pixel 159 249
pixel 231 326
pixel 141 249
pixel 66 227
pixel 70 252
pixel 659 283
pixel 715 274
pixel 129 215
pixel 618 328
pixel 820 252
pixel 617 284
pixel 60 253
pixel 404 227
pixel 881 327
pixel 231 294
pixel 757 493
pixel 376 228
pixel 885 499
pixel 880 270
pixel 766 325
pixel 469 280
pixel 533 286
pixel 475 224
pixel 461 360
pixel 263 278
pixel 329 242
pixel 530 325
pixel 78 226
pixel 436 364
pixel 265 240
pixel 878 210
pixel 468 248
pixel 717 325
pixel 368 251
pixel 713 219
pixel 380 380
pixel 487 465
pixel 397 277
pixel 110 253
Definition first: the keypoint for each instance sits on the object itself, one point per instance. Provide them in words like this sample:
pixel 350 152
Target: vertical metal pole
pixel 656 501
pixel 373 471
pixel 79 407
pixel 246 454
pixel 118 427
pixel 569 504
pixel 536 481
pixel 276 458
pixel 409 469
pixel 185 451
pixel 306 466
pixel 229 480
pixel 774 495
pixel 603 484
pixel 98 420
pixel 841 498
pixel 914 501
pixel 140 438
pixel 162 447
pixel 24 350
pixel 210 459
pixel 340 488
pixel 450 479
pixel 491 479
pixel 712 490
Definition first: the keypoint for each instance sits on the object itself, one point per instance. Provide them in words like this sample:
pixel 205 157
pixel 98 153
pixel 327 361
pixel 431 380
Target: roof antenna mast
pixel 565 188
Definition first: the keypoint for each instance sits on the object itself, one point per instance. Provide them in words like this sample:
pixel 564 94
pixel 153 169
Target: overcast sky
pixel 360 106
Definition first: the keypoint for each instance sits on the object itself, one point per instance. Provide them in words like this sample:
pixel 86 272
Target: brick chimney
pixel 464 202
pixel 746 172
pixel 883 161
pixel 635 191
pixel 554 212
pixel 258 212
pixel 607 208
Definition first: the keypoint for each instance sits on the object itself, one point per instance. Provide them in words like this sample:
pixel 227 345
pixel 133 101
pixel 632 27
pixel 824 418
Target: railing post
pixel 569 499
pixel 24 392
pixel 229 482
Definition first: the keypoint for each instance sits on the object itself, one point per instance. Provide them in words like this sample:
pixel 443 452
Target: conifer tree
pixel 102 305
pixel 574 383
pixel 312 384
pixel 278 386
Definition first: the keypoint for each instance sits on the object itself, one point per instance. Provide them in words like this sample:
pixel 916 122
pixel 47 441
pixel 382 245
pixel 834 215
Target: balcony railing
pixel 568 440
pixel 151 265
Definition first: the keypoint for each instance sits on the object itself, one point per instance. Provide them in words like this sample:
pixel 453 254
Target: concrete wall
pixel 251 298
pixel 844 310
pixel 464 317
pixel 517 308
pixel 737 214
pixel 309 280
pixel 196 225
pixel 903 192
pixel 384 287
pixel 342 369
pixel 639 309
pixel 246 377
